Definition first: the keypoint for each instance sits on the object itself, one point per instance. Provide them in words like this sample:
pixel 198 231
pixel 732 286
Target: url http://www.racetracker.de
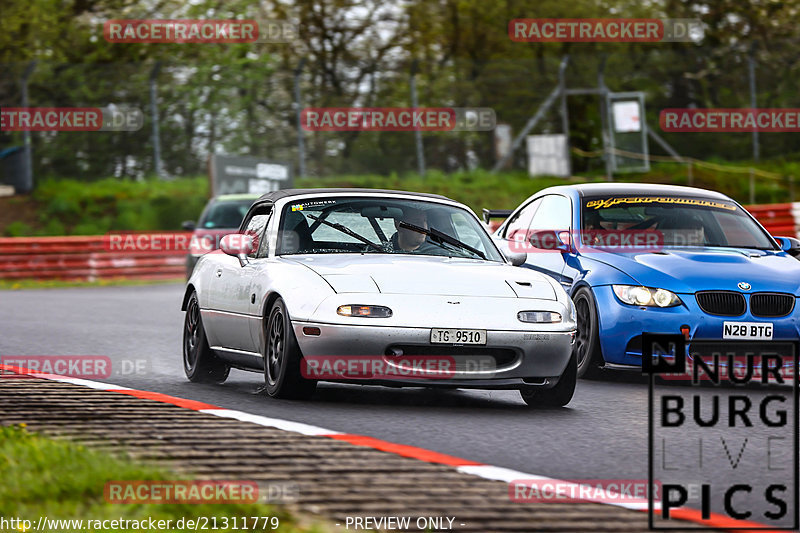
pixel 197 523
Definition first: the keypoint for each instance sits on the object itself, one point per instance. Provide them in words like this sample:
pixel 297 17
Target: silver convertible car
pixel 375 287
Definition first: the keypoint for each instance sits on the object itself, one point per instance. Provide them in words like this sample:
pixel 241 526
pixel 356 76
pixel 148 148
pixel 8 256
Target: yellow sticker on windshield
pixel 611 202
pixel 297 207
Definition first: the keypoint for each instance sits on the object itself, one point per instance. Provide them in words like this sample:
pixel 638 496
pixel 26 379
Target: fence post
pixel 301 143
pixel 26 135
pixel 417 132
pixel 562 87
pixel 604 118
pixel 752 186
pixel 751 73
pixel 154 117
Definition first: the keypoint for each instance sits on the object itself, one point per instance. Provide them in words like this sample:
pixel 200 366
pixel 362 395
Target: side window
pixel 255 226
pixel 521 221
pixel 554 213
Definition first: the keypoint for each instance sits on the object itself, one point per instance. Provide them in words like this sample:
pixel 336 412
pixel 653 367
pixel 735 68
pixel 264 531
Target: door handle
pixel 219 272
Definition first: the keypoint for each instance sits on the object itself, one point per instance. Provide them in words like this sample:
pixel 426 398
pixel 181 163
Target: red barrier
pixel 89 258
pixel 779 219
pixel 84 259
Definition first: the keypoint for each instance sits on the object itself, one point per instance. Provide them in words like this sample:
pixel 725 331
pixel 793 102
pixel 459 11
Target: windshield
pixel 678 221
pixel 381 225
pixel 225 214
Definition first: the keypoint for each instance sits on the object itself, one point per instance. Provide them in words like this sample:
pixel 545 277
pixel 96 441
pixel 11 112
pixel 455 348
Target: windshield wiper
pixel 347 231
pixel 442 238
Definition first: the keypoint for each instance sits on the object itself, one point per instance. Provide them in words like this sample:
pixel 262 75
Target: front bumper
pixel 621 325
pixel 520 357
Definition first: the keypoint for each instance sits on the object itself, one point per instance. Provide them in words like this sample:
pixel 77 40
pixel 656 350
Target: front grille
pixel 771 304
pixel 461 354
pixel 725 303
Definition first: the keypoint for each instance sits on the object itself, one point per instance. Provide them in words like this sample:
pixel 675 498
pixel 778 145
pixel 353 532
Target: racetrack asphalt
pixel 602 434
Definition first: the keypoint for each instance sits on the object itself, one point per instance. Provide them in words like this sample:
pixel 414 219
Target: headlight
pixel 646 296
pixel 371 311
pixel 539 317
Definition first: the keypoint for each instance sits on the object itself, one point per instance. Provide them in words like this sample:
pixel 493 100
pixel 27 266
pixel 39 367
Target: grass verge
pixel 62 480
pixel 14 285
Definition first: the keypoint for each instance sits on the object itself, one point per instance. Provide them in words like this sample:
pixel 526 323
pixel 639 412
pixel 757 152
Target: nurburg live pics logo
pixel 732 435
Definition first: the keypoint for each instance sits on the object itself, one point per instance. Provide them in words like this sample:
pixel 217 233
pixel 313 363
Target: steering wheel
pixel 367 248
pixel 644 223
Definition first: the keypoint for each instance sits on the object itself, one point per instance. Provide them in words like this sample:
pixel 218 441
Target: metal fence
pixel 250 107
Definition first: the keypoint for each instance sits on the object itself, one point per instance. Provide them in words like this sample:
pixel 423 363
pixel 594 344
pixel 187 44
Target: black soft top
pixel 274 196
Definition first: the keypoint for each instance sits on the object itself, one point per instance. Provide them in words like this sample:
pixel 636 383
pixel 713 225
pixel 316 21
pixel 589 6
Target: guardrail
pixel 96 257
pixel 88 258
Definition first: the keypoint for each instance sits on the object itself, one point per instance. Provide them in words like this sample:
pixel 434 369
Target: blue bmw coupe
pixel 659 259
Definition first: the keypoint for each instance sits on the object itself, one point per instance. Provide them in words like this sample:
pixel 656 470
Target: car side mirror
pixel 238 245
pixel 513 256
pixel 189 225
pixel 790 245
pixel 550 240
pixel 516 259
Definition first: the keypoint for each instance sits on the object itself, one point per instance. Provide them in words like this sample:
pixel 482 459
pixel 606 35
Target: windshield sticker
pixel 611 202
pixel 311 204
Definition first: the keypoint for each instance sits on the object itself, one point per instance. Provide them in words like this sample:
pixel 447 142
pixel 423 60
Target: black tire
pixel 587 342
pixel 199 361
pixel 557 396
pixel 282 357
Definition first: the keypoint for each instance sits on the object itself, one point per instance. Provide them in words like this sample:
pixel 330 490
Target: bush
pixel 80 208
pixel 18 229
pixel 69 207
pixel 53 227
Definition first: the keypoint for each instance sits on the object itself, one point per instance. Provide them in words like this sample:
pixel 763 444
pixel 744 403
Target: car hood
pixel 429 275
pixel 688 271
